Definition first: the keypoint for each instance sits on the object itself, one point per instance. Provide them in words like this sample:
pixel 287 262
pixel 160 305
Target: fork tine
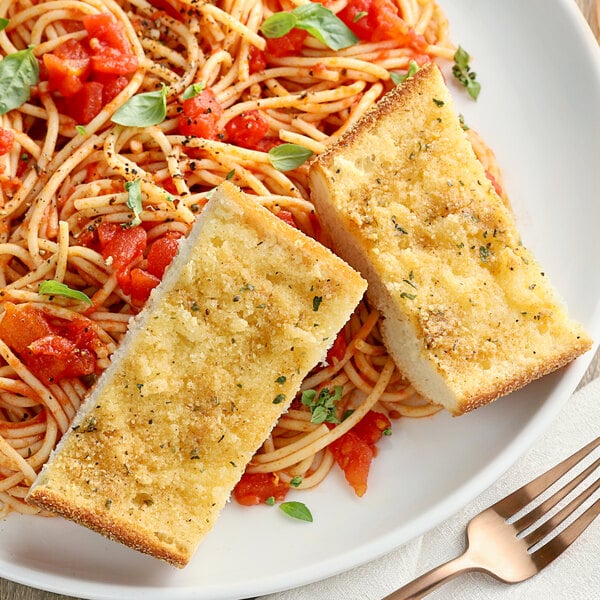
pixel 523 496
pixel 548 526
pixel 557 545
pixel 537 513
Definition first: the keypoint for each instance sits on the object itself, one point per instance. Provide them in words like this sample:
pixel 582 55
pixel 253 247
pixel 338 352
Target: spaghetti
pixel 98 206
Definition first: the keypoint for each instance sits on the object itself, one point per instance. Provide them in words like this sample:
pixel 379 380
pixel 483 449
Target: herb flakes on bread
pixel 201 378
pixel 468 313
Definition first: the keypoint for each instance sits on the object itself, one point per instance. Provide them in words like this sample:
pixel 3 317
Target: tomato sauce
pixel 51 348
pixel 88 74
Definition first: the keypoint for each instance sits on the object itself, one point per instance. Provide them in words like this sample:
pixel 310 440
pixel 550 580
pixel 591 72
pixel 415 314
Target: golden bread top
pixel 423 223
pixel 243 314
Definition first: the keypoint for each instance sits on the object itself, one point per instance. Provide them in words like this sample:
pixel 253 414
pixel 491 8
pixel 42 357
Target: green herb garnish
pixel 192 91
pixel 295 481
pixel 296 510
pixel 56 288
pixel 322 405
pixel 287 157
pixel 413 67
pixel 3 23
pixel 279 399
pixel 314 18
pixel 317 302
pixel 408 296
pixel 270 500
pixel 281 379
pixel 81 130
pixel 18 72
pixel 397 226
pixel 143 110
pixel 462 71
pixel 134 200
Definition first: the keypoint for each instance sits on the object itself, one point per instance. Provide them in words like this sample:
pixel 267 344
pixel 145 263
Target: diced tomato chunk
pixel 287 217
pixel 50 351
pixel 54 357
pixel 68 66
pixel 122 245
pixel 200 115
pixel 22 325
pixel 111 60
pixel 355 450
pixel 161 253
pixel 107 31
pixel 86 103
pixel 371 427
pixel 142 284
pixel 7 139
pixel 91 72
pixel 110 49
pixel 255 488
pixel 257 60
pixel 72 50
pixel 113 86
pixel 81 333
pixel 376 20
pixel 354 456
pixel 247 129
pixel 289 44
pixel 61 78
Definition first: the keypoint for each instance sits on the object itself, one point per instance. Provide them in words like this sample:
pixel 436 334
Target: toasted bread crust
pixel 469 315
pixel 111 528
pixel 200 380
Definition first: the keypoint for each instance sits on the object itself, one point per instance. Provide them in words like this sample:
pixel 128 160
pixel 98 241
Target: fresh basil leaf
pixel 192 91
pixel 462 71
pixel 413 67
pixel 56 288
pixel 321 23
pixel 18 72
pixel 314 18
pixel 297 510
pixel 287 157
pixel 3 23
pixel 278 24
pixel 396 77
pixel 143 110
pixel 134 200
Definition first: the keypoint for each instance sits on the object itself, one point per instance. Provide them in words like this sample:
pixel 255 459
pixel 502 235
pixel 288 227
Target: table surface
pixel 13 591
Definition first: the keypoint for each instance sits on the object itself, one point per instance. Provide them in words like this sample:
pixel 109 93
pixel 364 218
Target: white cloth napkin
pixel 573 576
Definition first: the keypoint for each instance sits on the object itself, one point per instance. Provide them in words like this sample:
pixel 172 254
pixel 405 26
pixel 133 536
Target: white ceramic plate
pixel 540 71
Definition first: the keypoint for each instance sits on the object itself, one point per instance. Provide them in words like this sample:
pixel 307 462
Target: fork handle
pixel 426 583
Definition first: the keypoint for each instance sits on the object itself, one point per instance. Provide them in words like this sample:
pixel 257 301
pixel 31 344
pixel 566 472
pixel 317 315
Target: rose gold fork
pixel 492 543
